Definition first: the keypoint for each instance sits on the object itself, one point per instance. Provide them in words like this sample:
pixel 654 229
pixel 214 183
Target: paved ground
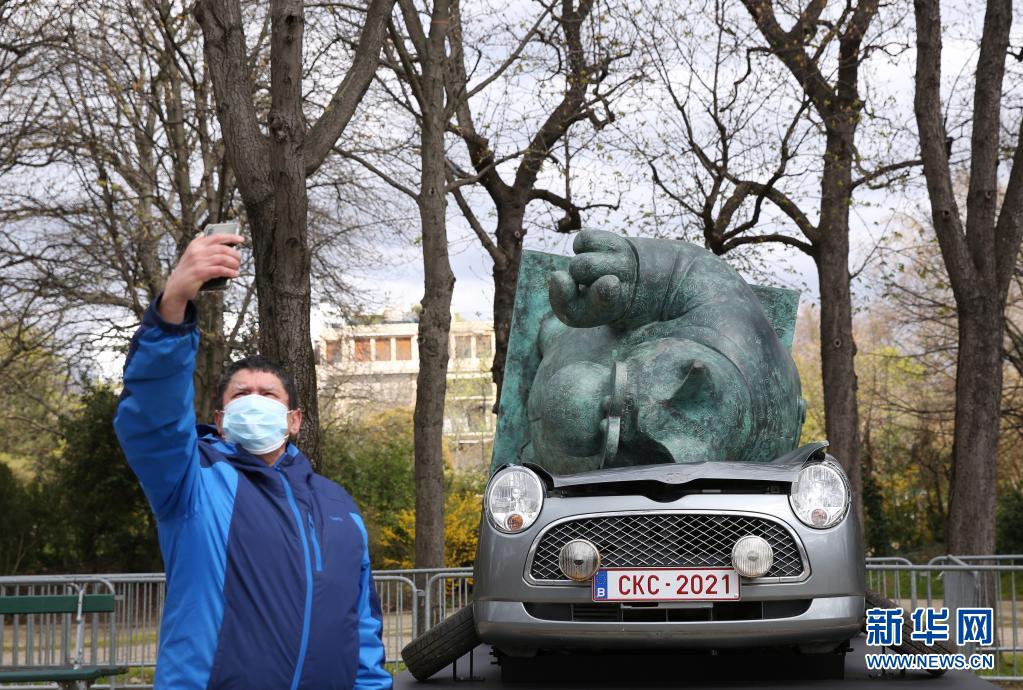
pixel 680 671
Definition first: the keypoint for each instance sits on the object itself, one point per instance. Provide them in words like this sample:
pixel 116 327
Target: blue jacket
pixel 268 574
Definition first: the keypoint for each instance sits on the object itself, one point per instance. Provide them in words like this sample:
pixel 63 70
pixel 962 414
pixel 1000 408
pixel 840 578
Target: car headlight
pixel 820 495
pixel 513 499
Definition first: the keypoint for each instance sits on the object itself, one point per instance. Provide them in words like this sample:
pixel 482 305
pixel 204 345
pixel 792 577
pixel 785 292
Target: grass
pixel 139 675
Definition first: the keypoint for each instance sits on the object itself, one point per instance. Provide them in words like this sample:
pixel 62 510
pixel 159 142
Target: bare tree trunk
pixel 979 254
pixel 435 319
pixel 838 372
pixel 838 348
pixel 209 361
pixel 975 447
pixel 506 275
pixel 282 254
pixel 271 170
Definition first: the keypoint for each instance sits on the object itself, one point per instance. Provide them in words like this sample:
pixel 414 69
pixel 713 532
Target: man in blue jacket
pixel 268 574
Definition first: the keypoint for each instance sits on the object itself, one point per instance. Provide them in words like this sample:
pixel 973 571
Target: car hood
pixel 782 469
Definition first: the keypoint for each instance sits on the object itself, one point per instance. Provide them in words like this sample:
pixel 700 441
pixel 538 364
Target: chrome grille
pixel 665 540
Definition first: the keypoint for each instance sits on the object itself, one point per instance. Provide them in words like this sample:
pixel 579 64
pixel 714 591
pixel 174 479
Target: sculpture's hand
pixel 600 281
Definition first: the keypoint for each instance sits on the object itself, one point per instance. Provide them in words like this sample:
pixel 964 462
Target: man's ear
pixel 218 420
pixel 294 421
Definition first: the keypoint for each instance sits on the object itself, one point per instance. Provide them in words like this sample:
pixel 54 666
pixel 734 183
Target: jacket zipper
pixel 308 581
pixel 316 544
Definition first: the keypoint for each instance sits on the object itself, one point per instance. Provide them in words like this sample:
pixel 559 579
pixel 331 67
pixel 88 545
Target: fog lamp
pixel 752 556
pixel 579 560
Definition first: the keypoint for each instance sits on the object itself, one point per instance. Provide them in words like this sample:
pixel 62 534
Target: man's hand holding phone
pixel 206 258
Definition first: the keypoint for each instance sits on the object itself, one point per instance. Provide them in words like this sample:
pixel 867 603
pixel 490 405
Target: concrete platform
pixel 628 672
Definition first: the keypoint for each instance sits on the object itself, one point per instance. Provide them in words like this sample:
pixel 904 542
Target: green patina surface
pixel 532 306
pixel 780 306
pixel 641 351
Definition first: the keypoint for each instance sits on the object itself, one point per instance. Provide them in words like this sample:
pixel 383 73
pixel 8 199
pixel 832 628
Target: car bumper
pixel 832 585
pixel 508 624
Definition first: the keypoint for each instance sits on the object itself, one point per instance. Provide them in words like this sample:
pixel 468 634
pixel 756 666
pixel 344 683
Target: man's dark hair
pixel 259 363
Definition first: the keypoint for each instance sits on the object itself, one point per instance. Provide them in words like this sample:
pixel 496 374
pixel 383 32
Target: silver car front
pixel 658 527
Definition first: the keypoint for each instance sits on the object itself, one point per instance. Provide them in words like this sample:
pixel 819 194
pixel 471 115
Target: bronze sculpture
pixel 646 351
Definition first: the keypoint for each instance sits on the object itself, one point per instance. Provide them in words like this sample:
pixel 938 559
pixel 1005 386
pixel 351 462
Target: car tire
pixel 909 645
pixel 442 644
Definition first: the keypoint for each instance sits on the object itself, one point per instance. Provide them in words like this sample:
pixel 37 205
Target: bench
pixel 73 675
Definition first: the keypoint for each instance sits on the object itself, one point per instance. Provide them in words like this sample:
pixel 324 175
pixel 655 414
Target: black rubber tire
pixel 909 645
pixel 441 645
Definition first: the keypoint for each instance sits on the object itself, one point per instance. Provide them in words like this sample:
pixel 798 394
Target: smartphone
pixel 230 228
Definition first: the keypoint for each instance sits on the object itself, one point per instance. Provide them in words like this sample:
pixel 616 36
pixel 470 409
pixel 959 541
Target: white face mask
pixel 257 423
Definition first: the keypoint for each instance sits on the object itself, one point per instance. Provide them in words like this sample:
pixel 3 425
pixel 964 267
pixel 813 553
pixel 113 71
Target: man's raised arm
pixel 155 419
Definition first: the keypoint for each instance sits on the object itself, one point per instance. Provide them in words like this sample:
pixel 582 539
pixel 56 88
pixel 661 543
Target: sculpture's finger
pixel 598 241
pixel 606 291
pixel 564 296
pixel 580 306
pixel 586 268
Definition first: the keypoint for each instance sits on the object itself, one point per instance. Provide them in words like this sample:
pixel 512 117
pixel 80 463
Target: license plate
pixel 665 584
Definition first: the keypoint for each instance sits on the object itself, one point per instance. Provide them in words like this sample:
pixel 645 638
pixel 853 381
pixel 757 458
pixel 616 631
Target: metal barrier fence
pixel 412 601
pixel 55 638
pixel 955 582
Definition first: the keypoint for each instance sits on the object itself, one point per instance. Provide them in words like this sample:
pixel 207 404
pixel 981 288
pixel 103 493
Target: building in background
pixel 371 363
